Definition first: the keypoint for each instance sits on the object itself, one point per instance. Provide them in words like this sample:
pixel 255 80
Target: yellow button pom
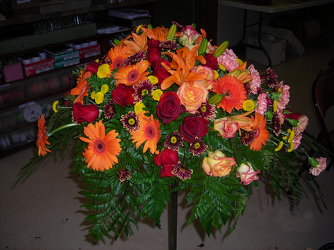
pixel 156 94
pixel 139 107
pixel 248 105
pixel 103 71
pixel 92 95
pixel 99 97
pixel 154 80
pixel 104 88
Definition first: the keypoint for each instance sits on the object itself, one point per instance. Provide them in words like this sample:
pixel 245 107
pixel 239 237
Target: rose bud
pixel 226 127
pixel 217 164
pixel 84 113
pixel 247 173
pixel 167 159
pixel 169 107
pixel 193 127
pixel 123 95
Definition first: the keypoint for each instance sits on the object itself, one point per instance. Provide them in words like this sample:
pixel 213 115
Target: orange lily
pixel 188 56
pixel 183 61
pixel 200 38
pixel 81 90
pixel 159 33
pixel 244 122
pixel 139 42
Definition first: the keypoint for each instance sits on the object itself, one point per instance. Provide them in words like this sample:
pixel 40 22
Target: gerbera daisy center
pixel 118 62
pixel 99 146
pixel 150 132
pixel 133 75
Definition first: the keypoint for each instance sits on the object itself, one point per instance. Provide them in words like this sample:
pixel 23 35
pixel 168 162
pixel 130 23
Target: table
pixel 277 6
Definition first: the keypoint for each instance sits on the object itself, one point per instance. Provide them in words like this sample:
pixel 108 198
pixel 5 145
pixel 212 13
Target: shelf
pixel 36 14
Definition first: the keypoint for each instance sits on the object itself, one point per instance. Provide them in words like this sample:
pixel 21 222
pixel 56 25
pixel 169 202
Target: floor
pixel 43 211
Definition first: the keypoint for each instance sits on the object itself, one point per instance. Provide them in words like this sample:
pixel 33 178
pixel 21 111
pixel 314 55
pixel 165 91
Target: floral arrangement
pixel 166 108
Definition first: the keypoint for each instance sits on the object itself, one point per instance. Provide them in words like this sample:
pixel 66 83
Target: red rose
pixel 84 113
pixel 123 95
pixel 159 71
pixel 167 159
pixel 193 127
pixel 93 66
pixel 169 107
pixel 153 50
pixel 211 62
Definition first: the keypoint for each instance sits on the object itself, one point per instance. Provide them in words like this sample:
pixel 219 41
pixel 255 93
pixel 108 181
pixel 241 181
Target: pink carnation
pixel 302 123
pixel 285 97
pixel 256 80
pixel 280 114
pixel 297 140
pixel 228 59
pixel 321 167
pixel 261 107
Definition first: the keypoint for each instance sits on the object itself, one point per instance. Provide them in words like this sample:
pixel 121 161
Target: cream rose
pixel 206 71
pixel 226 127
pixel 246 173
pixel 217 164
pixel 192 97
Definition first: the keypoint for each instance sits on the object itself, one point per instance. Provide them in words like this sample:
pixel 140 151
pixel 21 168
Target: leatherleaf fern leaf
pixel 213 200
pixel 153 191
pixel 112 204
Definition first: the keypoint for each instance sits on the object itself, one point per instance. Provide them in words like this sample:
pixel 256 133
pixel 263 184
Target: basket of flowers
pixel 165 111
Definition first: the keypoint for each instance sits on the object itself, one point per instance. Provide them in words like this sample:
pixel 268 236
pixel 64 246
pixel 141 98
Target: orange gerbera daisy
pixel 233 91
pixel 149 131
pixel 132 74
pixel 102 149
pixel 139 42
pixel 81 90
pixel 262 134
pixel 117 55
pixel 42 138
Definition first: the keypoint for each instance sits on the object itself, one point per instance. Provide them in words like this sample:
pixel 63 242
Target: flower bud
pixel 216 99
pixel 171 32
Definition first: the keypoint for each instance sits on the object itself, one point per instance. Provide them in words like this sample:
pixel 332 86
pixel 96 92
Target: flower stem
pixel 62 127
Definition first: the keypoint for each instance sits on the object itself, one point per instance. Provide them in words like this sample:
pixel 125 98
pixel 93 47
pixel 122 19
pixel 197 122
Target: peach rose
pixel 247 173
pixel 217 164
pixel 206 71
pixel 192 97
pixel 226 127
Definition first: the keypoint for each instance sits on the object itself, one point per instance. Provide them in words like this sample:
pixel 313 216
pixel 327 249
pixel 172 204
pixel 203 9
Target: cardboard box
pixel 293 44
pixel 304 29
pixel 273 46
pixel 64 56
pixel 67 63
pixel 39 67
pixel 132 23
pixel 89 51
pixel 13 72
pixel 24 4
